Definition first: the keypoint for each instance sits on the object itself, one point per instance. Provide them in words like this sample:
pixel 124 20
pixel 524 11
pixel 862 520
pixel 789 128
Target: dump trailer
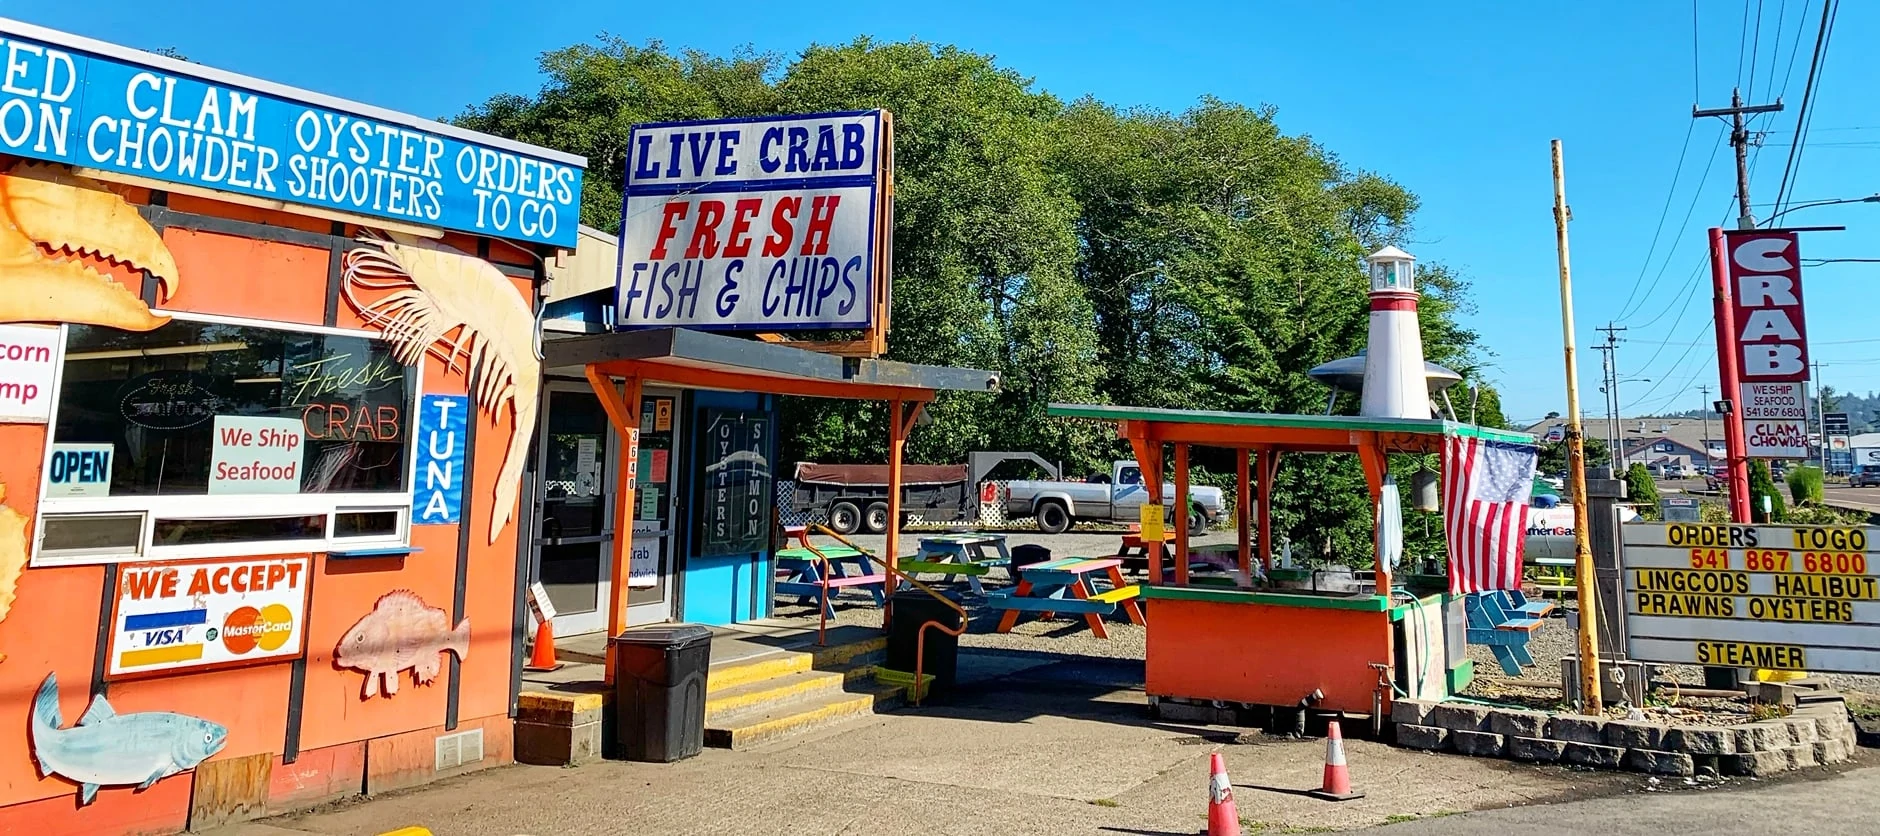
pixel 854 497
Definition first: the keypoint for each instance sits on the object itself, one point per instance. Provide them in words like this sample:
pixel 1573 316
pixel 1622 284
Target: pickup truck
pixel 1116 498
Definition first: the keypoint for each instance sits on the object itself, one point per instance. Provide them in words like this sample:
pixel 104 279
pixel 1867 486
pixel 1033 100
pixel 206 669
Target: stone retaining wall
pixel 1817 733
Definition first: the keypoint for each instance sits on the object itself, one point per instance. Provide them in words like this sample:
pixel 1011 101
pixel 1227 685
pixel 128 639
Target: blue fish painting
pixel 108 748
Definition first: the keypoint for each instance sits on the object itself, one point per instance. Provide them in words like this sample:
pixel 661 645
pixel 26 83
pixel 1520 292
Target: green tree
pixel 1762 486
pixel 1641 490
pixel 1553 455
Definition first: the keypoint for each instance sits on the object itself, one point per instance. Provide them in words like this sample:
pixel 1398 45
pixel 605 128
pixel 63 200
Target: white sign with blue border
pixel 437 498
pixel 87 103
pixel 772 223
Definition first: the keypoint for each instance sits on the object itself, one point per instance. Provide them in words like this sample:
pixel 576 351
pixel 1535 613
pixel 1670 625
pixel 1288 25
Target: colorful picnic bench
pixel 1064 585
pixel 798 574
pixel 1503 631
pixel 959 554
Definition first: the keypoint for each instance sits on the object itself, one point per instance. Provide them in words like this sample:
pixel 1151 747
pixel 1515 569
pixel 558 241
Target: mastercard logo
pixel 248 628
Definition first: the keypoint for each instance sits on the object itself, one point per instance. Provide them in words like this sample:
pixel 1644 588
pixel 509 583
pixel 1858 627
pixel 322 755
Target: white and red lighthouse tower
pixel 1396 383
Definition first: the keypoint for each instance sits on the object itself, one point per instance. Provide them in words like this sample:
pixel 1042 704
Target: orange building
pixel 267 384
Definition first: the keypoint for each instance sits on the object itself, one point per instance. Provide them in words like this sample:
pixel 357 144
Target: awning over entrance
pixel 715 361
pixel 619 365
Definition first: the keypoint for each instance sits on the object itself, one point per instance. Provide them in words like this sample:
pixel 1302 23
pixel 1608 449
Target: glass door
pixel 650 585
pixel 574 540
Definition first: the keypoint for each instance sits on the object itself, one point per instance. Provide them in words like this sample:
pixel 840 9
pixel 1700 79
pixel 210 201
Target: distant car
pixel 1865 476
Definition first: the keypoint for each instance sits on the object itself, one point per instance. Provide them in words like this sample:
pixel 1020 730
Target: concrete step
pixel 732 674
pixel 765 722
pixel 797 685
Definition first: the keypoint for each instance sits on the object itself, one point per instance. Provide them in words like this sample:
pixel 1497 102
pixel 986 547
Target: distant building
pixel 1692 443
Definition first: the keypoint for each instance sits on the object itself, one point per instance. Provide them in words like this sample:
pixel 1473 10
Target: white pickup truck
pixel 1115 498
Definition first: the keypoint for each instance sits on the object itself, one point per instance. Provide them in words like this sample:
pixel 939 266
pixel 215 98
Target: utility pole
pixel 1821 420
pixel 1710 462
pixel 1739 139
pixel 1612 355
pixel 1605 391
pixel 1590 702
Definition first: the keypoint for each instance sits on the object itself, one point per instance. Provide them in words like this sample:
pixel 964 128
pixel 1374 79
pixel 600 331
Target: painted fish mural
pixel 106 748
pixel 454 305
pixel 401 632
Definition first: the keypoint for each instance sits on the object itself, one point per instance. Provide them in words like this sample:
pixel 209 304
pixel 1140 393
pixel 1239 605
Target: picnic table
pixel 1064 585
pixel 1134 553
pixel 960 554
pixel 798 573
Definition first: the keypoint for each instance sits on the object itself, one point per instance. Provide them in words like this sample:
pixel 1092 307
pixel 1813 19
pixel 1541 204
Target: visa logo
pixel 159 638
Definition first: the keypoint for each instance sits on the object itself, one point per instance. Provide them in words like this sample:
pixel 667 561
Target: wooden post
pixel 1179 509
pixel 624 413
pixel 1375 468
pixel 897 444
pixel 1269 468
pixel 1243 494
pixel 1576 462
pixel 1149 460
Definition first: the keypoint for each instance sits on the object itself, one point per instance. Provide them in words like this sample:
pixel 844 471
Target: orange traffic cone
pixel 1337 774
pixel 542 658
pixel 1223 816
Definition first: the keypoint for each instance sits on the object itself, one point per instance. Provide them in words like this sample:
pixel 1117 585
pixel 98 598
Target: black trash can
pixel 942 657
pixel 659 691
pixel 1026 555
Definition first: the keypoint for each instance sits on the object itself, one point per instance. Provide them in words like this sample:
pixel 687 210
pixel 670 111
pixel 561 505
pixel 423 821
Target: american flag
pixel 1485 509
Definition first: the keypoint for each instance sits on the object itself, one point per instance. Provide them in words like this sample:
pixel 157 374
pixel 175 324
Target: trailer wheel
pixel 875 519
pixel 1053 517
pixel 844 517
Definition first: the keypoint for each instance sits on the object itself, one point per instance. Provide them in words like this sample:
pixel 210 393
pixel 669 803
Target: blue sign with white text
pixel 438 495
pixel 72 106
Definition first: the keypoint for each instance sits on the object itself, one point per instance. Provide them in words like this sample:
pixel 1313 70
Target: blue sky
pixel 1455 100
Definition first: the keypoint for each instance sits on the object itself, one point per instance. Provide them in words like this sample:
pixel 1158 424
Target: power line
pixel 1742 43
pixel 1697 89
pixel 1626 309
pixel 1755 46
pixel 1665 212
pixel 1829 8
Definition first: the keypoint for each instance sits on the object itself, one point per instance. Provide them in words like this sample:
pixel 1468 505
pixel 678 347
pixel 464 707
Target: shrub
pixel 1761 485
pixel 1641 490
pixel 1805 485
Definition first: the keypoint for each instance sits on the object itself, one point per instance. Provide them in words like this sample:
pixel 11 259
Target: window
pixel 212 438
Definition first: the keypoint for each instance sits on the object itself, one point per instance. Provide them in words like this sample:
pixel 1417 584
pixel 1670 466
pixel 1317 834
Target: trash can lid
pixel 666 635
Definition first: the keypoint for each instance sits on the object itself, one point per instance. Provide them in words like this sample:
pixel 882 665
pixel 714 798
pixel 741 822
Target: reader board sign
pixel 86 103
pixel 772 223
pixel 211 613
pixel 1775 597
pixel 29 361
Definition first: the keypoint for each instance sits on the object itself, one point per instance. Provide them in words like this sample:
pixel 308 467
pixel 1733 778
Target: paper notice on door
pixel 587 467
pixel 662 415
pixel 643 569
pixel 649 503
pixel 660 459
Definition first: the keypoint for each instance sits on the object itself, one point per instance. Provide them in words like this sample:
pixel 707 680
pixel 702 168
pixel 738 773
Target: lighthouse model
pixel 1396 384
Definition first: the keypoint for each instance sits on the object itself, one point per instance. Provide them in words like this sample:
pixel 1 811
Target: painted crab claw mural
pixel 457 307
pixel 49 216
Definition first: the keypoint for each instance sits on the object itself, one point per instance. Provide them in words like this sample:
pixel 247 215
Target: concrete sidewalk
pixel 1030 744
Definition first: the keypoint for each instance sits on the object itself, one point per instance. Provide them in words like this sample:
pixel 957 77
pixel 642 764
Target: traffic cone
pixel 1337 774
pixel 1223 816
pixel 542 658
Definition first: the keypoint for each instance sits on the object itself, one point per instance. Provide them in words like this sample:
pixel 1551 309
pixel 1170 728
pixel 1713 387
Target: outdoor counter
pixel 1276 648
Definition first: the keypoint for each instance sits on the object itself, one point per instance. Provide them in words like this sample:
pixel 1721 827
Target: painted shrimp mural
pixel 456 306
pixel 51 219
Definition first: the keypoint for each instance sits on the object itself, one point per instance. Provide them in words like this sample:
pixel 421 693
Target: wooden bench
pixel 1064 585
